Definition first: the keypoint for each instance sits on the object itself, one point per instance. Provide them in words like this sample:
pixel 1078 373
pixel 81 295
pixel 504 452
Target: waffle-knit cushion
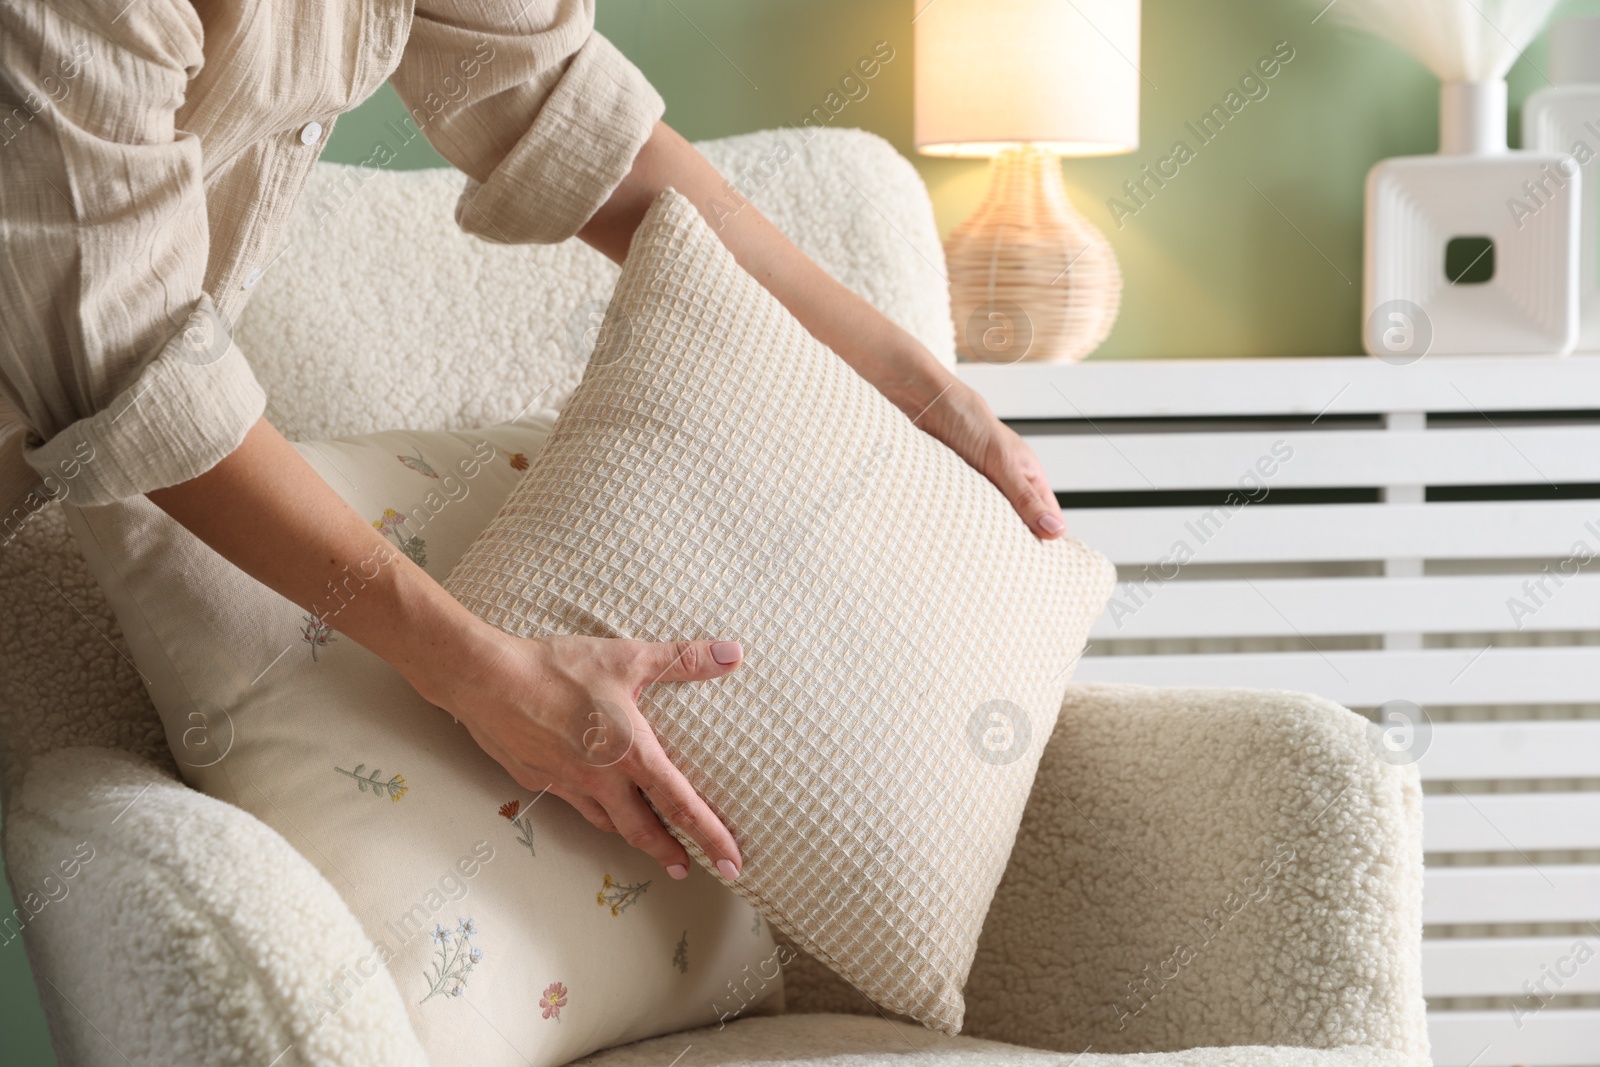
pixel 720 473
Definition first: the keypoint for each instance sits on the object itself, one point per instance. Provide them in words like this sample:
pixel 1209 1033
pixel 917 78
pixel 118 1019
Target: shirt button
pixel 310 133
pixel 251 279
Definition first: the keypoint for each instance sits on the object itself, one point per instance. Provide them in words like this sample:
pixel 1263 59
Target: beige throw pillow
pixel 516 933
pixel 721 474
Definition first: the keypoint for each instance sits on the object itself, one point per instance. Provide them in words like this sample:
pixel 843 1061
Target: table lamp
pixel 1027 82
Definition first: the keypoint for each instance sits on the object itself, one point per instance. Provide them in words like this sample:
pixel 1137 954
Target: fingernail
pixel 726 652
pixel 728 870
pixel 678 871
pixel 1051 524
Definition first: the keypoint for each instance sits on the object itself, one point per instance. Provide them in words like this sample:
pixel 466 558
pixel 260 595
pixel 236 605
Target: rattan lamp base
pixel 1030 277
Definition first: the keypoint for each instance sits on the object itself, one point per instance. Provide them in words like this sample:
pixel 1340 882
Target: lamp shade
pixel 1061 75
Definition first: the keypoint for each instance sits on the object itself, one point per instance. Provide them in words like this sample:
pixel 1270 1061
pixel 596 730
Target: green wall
pixel 24 1041
pixel 1212 266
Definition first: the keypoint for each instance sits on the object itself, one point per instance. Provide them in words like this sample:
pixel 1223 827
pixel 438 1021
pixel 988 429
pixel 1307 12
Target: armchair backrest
pixel 380 312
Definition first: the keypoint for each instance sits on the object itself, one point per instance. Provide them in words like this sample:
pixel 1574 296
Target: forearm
pixel 529 703
pixel 304 542
pixel 881 352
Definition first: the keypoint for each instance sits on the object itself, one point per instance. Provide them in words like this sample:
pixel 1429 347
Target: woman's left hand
pixel 963 420
pixel 883 353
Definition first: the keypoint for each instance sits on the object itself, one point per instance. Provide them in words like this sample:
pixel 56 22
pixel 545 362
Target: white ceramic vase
pixel 1472 251
pixel 1565 119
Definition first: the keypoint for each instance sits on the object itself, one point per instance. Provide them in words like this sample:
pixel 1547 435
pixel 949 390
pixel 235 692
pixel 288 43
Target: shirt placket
pixel 288 162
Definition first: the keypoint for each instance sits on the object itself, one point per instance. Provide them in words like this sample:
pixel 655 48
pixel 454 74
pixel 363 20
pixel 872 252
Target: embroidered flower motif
pixel 392 524
pixel 680 958
pixel 418 464
pixel 519 461
pixel 394 788
pixel 316 633
pixel 618 897
pixel 456 958
pixel 554 999
pixel 510 810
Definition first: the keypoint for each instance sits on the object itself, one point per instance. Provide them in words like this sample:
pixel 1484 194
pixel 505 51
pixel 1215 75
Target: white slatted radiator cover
pixel 1427 533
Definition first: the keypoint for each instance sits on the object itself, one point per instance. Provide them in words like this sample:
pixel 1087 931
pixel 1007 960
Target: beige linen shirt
pixel 151 152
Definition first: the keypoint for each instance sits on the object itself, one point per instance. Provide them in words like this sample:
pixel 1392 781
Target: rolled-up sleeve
pixel 541 113
pixel 123 373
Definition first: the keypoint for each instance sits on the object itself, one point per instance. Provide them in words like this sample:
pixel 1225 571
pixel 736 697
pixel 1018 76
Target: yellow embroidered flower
pixel 397 787
pixel 617 896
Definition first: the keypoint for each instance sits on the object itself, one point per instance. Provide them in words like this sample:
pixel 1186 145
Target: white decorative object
pixel 1473 250
pixel 1565 118
pixel 1027 82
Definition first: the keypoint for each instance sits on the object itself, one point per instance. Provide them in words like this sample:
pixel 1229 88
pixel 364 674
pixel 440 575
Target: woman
pixel 153 152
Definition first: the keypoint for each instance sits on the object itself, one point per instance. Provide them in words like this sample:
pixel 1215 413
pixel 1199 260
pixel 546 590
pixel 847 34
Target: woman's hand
pixel 561 714
pixel 963 420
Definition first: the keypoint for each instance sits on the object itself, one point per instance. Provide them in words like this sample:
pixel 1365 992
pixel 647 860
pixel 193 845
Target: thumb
pixel 1038 508
pixel 1023 482
pixel 687 661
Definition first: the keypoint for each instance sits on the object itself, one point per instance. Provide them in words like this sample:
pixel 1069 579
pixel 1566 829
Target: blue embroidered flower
pixel 456 958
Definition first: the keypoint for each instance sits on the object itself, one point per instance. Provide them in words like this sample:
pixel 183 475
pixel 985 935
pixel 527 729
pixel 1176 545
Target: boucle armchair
pixel 1196 868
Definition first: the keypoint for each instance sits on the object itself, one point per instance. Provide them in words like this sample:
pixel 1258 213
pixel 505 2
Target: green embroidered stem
pixel 415 548
pixel 680 958
pixel 315 633
pixel 525 834
pixel 618 897
pixel 457 958
pixel 394 788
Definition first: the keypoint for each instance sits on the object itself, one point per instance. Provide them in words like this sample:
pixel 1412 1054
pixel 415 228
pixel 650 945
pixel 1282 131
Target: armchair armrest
pixel 167 927
pixel 1202 867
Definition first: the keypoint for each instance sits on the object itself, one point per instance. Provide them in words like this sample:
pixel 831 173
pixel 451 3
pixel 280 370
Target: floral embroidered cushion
pixel 907 640
pixel 515 931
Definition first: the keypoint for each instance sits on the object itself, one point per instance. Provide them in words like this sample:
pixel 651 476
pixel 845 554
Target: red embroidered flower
pixel 519 461
pixel 509 809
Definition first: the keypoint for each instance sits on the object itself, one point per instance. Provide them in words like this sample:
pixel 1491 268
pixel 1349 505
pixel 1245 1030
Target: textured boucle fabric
pixel 720 473
pixel 470 334
pixel 856 1041
pixel 186 931
pixel 65 675
pixel 1222 867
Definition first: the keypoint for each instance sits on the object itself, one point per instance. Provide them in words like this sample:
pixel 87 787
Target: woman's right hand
pixel 561 714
